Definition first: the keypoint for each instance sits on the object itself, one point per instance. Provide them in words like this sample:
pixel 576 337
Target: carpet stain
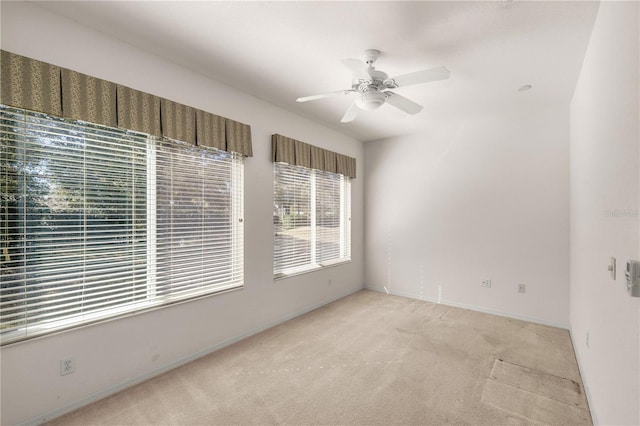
pixel 535 395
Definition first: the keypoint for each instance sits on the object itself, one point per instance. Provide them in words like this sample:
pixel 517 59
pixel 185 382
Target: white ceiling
pixel 279 51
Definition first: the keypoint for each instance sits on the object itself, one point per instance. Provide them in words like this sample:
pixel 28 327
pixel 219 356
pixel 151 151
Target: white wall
pixel 605 163
pixel 114 353
pixel 485 198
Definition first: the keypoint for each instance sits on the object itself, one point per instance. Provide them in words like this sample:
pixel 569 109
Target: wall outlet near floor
pixel 586 340
pixel 67 366
pixel 330 282
pixel 486 283
pixel 521 288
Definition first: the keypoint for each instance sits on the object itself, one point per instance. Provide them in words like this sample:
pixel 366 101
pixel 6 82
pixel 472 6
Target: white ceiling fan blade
pixel 358 68
pixel 351 113
pixel 403 103
pixel 424 76
pixel 323 95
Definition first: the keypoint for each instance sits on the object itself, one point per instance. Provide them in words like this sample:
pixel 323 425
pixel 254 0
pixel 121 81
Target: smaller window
pixel 311 219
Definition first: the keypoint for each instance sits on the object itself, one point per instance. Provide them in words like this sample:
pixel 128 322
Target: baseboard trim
pixel 43 418
pixel 587 392
pixel 471 307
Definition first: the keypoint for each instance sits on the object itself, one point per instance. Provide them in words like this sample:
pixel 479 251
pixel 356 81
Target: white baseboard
pixel 43 418
pixel 471 307
pixel 594 418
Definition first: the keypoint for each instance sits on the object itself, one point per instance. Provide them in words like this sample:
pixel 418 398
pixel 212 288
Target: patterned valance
pixel 38 86
pixel 30 84
pixel 88 98
pixel 178 121
pixel 297 153
pixel 238 137
pixel 138 111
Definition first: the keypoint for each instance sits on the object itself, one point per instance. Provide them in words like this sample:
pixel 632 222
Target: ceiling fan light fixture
pixel 369 101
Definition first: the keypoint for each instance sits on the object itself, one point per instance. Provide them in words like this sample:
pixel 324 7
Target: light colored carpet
pixel 369 358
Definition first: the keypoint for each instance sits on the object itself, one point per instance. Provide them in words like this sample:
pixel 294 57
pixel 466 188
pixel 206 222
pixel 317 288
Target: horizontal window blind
pixel 333 232
pixel 311 215
pixel 98 222
pixel 292 218
pixel 198 229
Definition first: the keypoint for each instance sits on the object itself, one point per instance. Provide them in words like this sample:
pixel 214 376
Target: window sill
pixel 46 329
pixel 311 268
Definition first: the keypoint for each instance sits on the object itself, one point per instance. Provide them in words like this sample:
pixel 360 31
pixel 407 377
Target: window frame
pixel 344 226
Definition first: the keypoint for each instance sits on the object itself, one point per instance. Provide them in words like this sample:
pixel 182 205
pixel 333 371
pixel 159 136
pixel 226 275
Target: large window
pixel 312 219
pixel 98 222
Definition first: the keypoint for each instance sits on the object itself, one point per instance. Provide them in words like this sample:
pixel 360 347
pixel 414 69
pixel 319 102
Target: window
pixel 311 217
pixel 98 222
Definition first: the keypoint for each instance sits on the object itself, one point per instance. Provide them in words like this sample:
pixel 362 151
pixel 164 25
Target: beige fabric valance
pixel 88 98
pixel 138 111
pixel 210 130
pixel 238 137
pixel 30 84
pixel 178 121
pixel 346 165
pixel 38 86
pixel 297 153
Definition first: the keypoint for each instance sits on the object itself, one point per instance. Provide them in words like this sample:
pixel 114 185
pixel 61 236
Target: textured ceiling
pixel 279 51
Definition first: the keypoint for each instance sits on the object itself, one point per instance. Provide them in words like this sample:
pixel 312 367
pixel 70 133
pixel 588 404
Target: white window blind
pixel 312 219
pixel 98 222
pixel 198 220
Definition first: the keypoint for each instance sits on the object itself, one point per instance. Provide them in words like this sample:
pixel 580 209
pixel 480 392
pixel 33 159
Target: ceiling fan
pixel 373 86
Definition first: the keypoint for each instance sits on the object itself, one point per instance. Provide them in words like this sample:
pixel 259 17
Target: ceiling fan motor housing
pixel 377 75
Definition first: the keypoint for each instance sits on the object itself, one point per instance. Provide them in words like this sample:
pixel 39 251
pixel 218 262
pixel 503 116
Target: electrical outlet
pixel 486 283
pixel 586 340
pixel 67 366
pixel 330 283
pixel 521 288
